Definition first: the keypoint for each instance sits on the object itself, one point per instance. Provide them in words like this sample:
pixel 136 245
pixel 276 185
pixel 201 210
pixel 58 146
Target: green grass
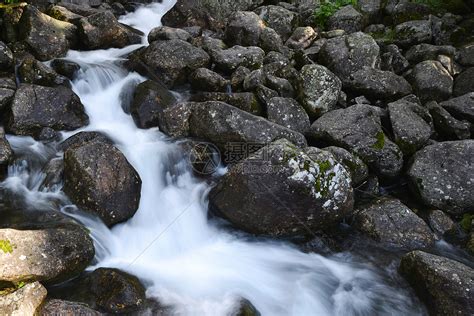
pixel 328 8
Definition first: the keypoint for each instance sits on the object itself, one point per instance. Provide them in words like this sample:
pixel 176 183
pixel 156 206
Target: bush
pixel 328 8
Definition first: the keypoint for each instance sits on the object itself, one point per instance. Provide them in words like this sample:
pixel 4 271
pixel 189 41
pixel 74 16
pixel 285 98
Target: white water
pixel 186 261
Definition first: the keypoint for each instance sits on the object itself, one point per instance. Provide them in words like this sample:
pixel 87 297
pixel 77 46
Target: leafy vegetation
pixel 6 246
pixel 328 8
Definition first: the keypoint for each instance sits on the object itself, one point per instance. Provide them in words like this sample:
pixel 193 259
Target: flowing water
pixel 187 261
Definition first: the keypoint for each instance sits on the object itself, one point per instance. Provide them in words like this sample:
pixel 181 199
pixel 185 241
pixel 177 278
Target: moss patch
pixel 380 141
pixel 6 246
pixel 466 222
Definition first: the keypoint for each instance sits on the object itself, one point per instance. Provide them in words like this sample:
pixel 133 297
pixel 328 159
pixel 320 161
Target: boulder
pixel 228 60
pixel 412 125
pixel 111 291
pixel 63 14
pixel 163 33
pixel 46 37
pixel 446 286
pixel 36 107
pixel 409 11
pixel 65 67
pixel 204 79
pixel 149 101
pixel 441 174
pixel 6 153
pixel 431 81
pixel 466 55
pixel 282 190
pixel 282 20
pixel 359 130
pixel 421 52
pixel 99 179
pixel 26 300
pixel 209 14
pixel 174 60
pixel 32 71
pixel 55 307
pixel 245 308
pixel 376 84
pixel 244 29
pixel 464 82
pixel 413 32
pixel 347 54
pixel 301 38
pixel 447 126
pixel 354 165
pixel 289 113
pixel 6 57
pixel 393 60
pixel 462 108
pixel 52 254
pixel 348 19
pixel 102 31
pixel 318 90
pixel 391 222
pixel 7 92
pixel 245 101
pixel 440 223
pixel 282 86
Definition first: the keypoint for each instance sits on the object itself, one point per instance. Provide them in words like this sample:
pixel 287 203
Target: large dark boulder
pixel 348 19
pixel 36 107
pixel 464 82
pixel 46 37
pixel 110 291
pixel 446 286
pixel 51 254
pixel 412 125
pixel 228 60
pixel 378 85
pixel 102 30
pixel 390 222
pixel 441 174
pixel 359 130
pixel 347 54
pixel 431 81
pixel 282 20
pixel 282 190
pixel 33 71
pixel 149 101
pixel 462 108
pixel 206 13
pixel 99 179
pixel 174 60
pixel 245 29
pixel 246 101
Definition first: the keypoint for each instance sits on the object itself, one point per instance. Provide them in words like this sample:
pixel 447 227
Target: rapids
pixel 186 260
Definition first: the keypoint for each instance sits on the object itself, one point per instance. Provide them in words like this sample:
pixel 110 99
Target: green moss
pixel 387 37
pixel 328 8
pixel 324 166
pixel 323 181
pixel 466 222
pixel 380 143
pixel 6 246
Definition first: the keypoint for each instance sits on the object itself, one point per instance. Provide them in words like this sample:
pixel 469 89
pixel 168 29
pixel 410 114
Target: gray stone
pixel 378 85
pixel 228 60
pixel 445 286
pixel 99 179
pixel 353 164
pixel 24 301
pixel 412 125
pixel 287 193
pixel 245 101
pixel 441 174
pixel 462 108
pixel 440 223
pixel 204 79
pixel 244 29
pixel 35 107
pixel 391 222
pixel 54 307
pixel 7 92
pixel 466 55
pixel 6 57
pixel 288 113
pixel 358 129
pixel 464 82
pixel 431 81
pixel 318 90
pixel 413 32
pixel 32 71
pixel 422 52
pixel 283 21
pixel 447 126
pixel 348 19
pixel 162 33
pixel 301 38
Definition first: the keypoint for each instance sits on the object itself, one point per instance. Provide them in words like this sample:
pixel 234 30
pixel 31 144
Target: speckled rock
pixel 102 30
pixel 348 19
pixel 288 113
pixel 431 81
pixel 6 57
pixel 464 82
pixel 54 307
pixel 50 254
pixel 413 32
pixel 446 286
pixel 228 60
pixel 32 71
pixel 447 127
pixel 318 90
pixel 204 79
pixel 7 91
pixel 280 187
pixel 422 52
pixel 174 60
pixel 301 38
pixel 462 108
pixel 6 153
pixel 24 301
pixel 282 20
pixel 440 223
pixel 244 29
pixel 390 222
pixel 354 165
pixel 162 33
pixel 99 179
pixel 359 130
pixel 35 107
pixel 378 85
pixel 347 54
pixel 442 175
pixel 412 125
pixel 246 101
